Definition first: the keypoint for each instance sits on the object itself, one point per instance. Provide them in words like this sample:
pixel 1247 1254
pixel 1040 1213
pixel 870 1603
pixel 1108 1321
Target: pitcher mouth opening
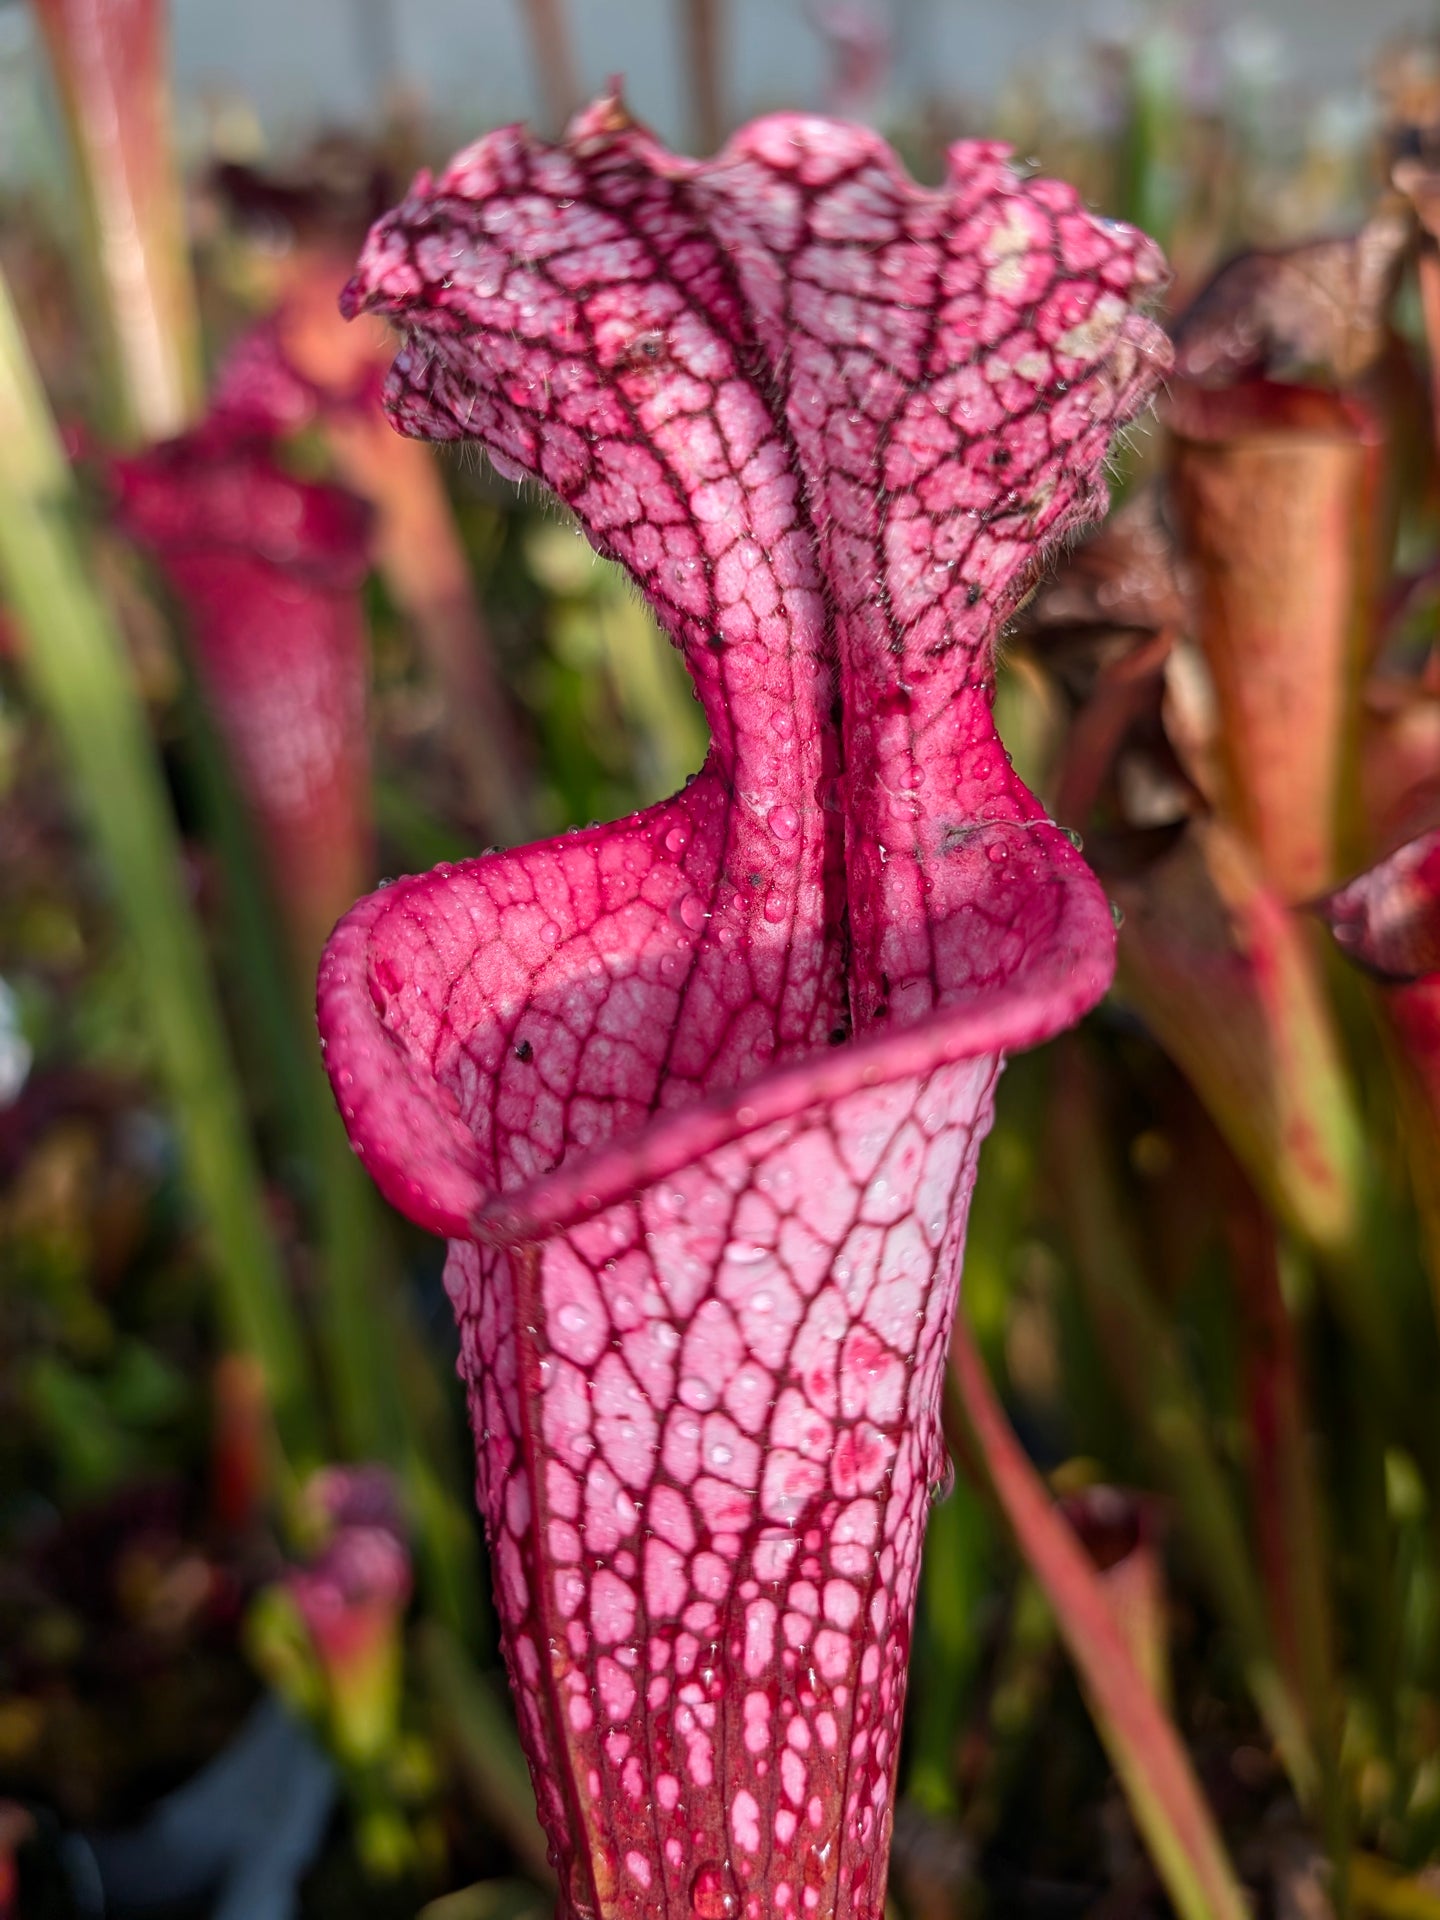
pixel 1069 975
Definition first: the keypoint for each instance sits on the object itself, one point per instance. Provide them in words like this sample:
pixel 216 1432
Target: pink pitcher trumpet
pixel 268 571
pixel 697 1096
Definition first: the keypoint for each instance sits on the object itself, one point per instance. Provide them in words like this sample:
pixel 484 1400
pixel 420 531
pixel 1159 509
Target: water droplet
pixel 745 1254
pixel 1075 837
pixel 688 911
pixel 1117 913
pixel 784 822
pixel 943 1485
pixel 550 933
pixel 774 908
pixel 721 1453
pixel 997 853
pixel 781 723
pixel 713 1894
pixel 677 839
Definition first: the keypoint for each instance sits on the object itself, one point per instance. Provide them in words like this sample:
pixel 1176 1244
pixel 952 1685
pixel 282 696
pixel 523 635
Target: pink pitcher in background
pixel 268 570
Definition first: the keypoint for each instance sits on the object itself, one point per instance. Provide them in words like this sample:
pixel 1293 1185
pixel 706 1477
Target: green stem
pixel 382 1381
pixel 1147 187
pixel 342 1212
pixel 659 710
pixel 381 1396
pixel 80 675
pixel 110 65
pixel 478 1719
pixel 954 1578
pixel 1152 1766
pixel 1151 1376
pixel 1287 1509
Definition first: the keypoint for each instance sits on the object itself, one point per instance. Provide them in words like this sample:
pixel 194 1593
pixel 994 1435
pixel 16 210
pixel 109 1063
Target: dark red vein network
pixel 697 1095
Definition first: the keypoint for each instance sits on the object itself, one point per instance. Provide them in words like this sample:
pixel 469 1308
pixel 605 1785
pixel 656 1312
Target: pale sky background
pixel 304 63
pixel 300 57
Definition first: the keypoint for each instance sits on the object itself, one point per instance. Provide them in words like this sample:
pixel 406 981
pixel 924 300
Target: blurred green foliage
pixel 1263 1410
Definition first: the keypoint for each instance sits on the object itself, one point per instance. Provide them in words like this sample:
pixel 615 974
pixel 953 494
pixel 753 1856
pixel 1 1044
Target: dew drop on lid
pixel 676 840
pixel 689 911
pixel 784 822
pixel 1117 913
pixel 997 854
pixel 712 1892
pixel 550 933
pixel 943 1485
